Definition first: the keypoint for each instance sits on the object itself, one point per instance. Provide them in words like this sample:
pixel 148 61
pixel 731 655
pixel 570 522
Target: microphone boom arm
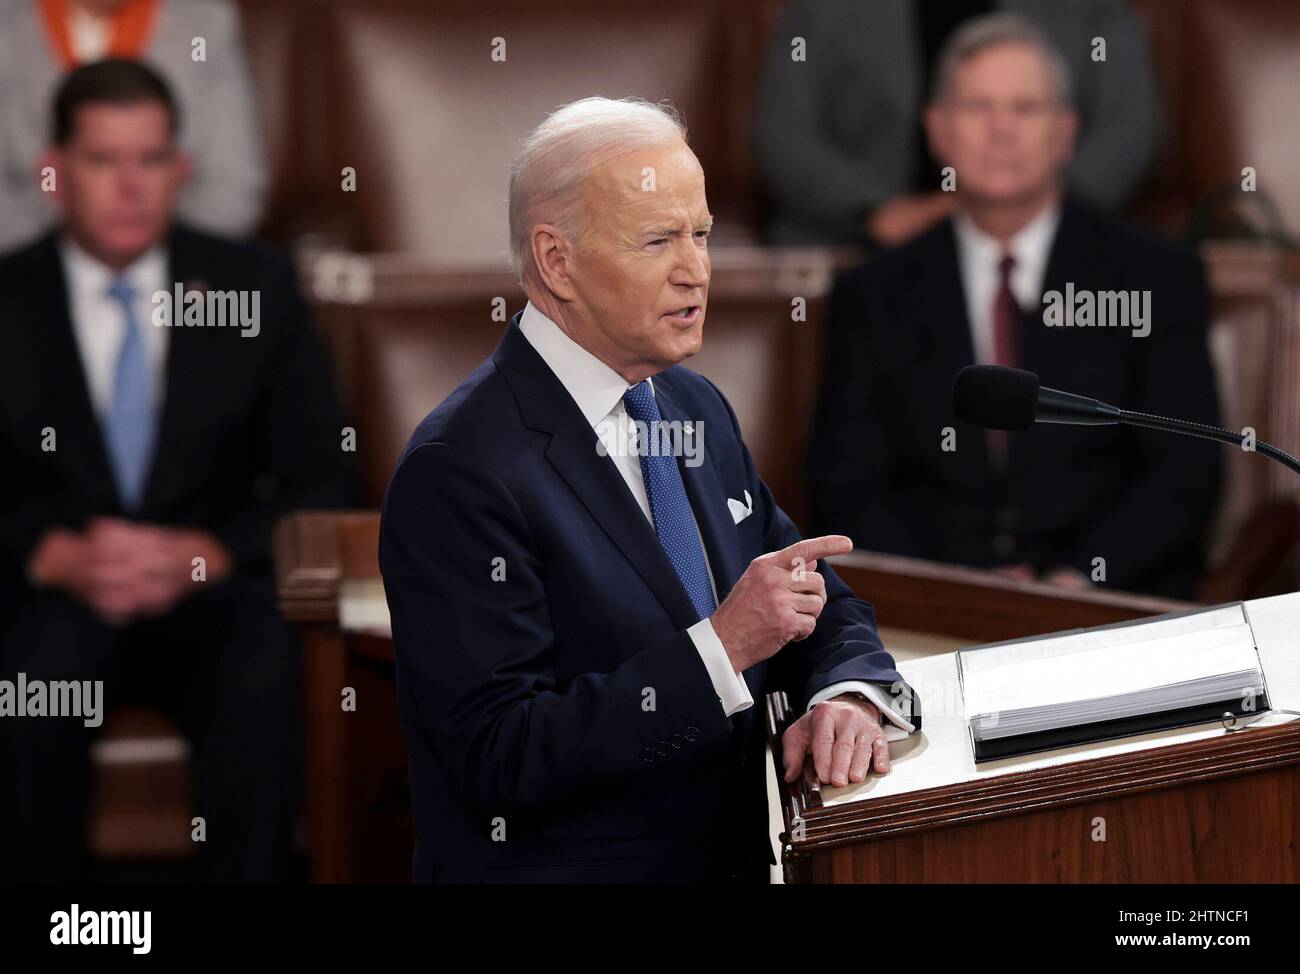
pixel 1217 433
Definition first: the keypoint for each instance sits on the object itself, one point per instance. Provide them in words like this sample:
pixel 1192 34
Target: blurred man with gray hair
pixel 837 136
pixel 583 620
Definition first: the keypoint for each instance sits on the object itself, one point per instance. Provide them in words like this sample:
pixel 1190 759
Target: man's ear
pixel 1069 131
pixel 49 174
pixel 934 135
pixel 553 258
pixel 184 163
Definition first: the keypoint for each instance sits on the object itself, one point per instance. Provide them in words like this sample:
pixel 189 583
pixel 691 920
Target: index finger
pixel 810 549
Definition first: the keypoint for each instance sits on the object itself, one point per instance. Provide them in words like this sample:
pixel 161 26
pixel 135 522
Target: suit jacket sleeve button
pixel 663 750
pixel 648 755
pixel 677 741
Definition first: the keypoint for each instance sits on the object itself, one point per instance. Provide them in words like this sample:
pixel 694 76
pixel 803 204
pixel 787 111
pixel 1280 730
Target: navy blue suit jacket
pixel 559 721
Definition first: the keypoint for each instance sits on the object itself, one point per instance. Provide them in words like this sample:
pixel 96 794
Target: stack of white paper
pixel 1111 673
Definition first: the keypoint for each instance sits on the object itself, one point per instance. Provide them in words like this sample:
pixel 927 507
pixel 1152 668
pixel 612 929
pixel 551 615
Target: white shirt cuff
pixel 895 730
pixel 729 685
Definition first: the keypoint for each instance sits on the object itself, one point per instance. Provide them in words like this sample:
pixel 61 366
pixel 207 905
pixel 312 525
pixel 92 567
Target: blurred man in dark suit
pixel 891 465
pixel 163 400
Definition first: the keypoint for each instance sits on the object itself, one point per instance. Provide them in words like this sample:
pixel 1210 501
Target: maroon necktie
pixel 1006 318
pixel 1006 340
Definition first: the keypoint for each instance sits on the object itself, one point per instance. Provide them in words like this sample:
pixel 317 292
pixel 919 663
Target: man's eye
pixel 660 240
pixel 701 234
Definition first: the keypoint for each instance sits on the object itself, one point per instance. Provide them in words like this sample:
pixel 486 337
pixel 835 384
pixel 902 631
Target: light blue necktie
pixel 130 417
pixel 670 508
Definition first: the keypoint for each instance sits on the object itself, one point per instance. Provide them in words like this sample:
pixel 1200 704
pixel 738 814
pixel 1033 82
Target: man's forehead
pixel 637 171
pixel 146 109
pixel 114 120
pixel 645 184
pixel 1011 64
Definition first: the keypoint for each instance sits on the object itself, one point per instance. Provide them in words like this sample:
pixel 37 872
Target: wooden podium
pixel 1188 805
pixel 1193 804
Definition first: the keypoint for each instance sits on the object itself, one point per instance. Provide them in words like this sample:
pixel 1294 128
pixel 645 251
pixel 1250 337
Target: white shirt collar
pixel 594 386
pixel 89 276
pixel 1029 246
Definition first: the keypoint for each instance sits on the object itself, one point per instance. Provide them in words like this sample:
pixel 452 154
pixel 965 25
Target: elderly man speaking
pixel 589 583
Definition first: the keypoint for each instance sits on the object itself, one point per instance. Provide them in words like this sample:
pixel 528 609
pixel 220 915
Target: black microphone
pixel 1000 398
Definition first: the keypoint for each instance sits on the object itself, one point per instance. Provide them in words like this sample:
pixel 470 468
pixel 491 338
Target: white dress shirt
pixel 99 324
pixel 598 391
pixel 979 255
pixel 89 35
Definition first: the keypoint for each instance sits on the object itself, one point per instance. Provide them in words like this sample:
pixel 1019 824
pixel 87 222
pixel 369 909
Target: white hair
pixel 546 180
pixel 993 30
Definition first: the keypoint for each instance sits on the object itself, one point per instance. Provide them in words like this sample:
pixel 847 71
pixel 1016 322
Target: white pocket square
pixel 738 510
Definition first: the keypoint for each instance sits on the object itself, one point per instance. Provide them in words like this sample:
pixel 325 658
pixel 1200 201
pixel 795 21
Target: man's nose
pixel 692 268
pixel 130 179
pixel 1004 121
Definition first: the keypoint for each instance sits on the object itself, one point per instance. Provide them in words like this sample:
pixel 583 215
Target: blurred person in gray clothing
pixel 840 149
pixel 197 45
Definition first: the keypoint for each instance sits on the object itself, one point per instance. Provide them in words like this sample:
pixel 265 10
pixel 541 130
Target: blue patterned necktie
pixel 669 506
pixel 130 418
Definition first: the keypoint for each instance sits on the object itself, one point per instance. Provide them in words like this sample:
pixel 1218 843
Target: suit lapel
pixel 951 346
pixel 79 432
pixel 601 488
pixel 547 407
pixel 944 301
pixel 1068 250
pixel 184 363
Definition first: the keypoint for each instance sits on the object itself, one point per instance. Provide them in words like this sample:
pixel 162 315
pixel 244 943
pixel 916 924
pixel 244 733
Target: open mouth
pixel 685 315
